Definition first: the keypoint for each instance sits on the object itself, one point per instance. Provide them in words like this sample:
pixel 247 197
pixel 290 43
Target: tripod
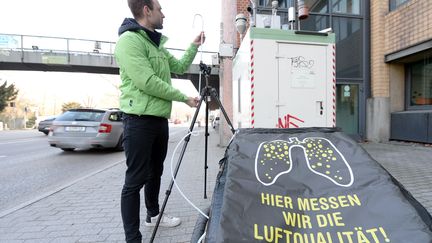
pixel 206 93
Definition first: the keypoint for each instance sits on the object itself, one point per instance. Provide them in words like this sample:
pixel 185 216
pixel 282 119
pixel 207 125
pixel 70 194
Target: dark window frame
pixel 339 72
pixel 284 2
pixel 408 85
pixel 361 11
pixel 393 6
pixel 329 10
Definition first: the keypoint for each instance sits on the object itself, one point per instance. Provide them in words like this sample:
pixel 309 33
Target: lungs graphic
pixel 326 160
pixel 273 159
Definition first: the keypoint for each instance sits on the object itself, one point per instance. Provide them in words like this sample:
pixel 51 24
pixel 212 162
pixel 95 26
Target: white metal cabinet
pixel 284 79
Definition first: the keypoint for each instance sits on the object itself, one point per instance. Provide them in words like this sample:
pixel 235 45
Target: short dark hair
pixel 136 7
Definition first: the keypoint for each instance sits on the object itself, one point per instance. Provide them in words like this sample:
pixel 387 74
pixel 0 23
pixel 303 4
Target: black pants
pixel 145 141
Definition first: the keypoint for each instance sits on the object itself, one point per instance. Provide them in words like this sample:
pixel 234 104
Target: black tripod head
pixel 206 70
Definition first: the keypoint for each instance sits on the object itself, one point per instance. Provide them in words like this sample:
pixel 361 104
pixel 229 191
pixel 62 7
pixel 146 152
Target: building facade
pixel 401 51
pixel 382 62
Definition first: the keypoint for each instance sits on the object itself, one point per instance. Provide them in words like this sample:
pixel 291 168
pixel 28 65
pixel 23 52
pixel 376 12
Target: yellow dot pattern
pixel 273 158
pixel 322 156
pixel 324 159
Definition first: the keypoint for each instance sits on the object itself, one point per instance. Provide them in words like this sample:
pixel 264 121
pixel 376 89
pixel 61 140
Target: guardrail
pixel 55 44
pixel 69 46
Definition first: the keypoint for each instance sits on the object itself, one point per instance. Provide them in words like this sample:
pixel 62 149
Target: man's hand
pixel 192 102
pixel 199 39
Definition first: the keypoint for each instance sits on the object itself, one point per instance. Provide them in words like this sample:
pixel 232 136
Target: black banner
pixel 310 186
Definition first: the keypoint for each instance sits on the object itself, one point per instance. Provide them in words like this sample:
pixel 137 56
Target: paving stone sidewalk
pixel 89 210
pixel 410 164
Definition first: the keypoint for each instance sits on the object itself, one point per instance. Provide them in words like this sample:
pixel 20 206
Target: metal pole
pixel 22 48
pixel 201 52
pixel 67 49
pixel 207 95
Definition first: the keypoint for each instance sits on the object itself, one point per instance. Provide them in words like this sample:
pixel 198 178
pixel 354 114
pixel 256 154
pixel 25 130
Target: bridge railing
pixel 55 44
pixel 69 46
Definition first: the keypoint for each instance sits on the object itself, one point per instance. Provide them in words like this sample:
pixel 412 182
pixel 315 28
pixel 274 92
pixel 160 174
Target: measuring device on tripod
pixel 206 94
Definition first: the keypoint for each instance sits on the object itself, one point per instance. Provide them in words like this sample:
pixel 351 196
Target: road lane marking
pixel 60 188
pixel 20 141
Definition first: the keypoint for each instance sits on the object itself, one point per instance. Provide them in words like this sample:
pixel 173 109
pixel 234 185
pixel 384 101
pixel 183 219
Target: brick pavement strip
pixel 89 210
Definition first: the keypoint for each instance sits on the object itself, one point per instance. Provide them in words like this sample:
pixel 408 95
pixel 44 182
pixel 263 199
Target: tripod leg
pixel 214 94
pixel 168 191
pixel 206 142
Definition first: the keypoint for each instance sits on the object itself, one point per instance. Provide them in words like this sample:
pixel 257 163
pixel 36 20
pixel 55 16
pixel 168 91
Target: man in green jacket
pixel 146 99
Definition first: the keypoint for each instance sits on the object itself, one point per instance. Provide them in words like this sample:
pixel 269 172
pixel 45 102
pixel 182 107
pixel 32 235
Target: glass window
pixel 349 46
pixel 396 3
pixel 347 107
pixel 116 116
pixel 421 83
pixel 317 6
pixel 346 6
pixel 268 3
pixel 315 23
pixel 81 115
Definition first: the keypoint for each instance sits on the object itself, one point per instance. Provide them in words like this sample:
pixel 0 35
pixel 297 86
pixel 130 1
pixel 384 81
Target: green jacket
pixel 145 71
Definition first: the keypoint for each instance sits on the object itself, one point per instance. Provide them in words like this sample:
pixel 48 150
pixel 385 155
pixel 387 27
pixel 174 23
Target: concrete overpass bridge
pixel 42 53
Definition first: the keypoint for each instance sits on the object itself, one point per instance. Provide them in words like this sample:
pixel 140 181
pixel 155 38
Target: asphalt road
pixel 31 169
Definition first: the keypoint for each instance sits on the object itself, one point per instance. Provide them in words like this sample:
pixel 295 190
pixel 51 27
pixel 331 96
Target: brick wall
pixel 379 70
pixel 242 8
pixel 408 25
pixel 228 35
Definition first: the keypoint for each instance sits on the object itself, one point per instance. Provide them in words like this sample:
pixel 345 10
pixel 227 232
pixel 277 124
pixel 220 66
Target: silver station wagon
pixel 87 128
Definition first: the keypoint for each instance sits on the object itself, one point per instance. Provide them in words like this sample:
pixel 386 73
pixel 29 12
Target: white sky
pixel 100 19
pixel 95 20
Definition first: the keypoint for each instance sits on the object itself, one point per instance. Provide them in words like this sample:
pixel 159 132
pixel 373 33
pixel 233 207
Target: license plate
pixel 75 129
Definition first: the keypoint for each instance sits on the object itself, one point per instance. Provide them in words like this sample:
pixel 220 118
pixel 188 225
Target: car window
pixel 115 116
pixel 85 115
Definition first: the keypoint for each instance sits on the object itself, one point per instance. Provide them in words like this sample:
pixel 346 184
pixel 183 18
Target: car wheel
pixel 119 146
pixel 68 149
